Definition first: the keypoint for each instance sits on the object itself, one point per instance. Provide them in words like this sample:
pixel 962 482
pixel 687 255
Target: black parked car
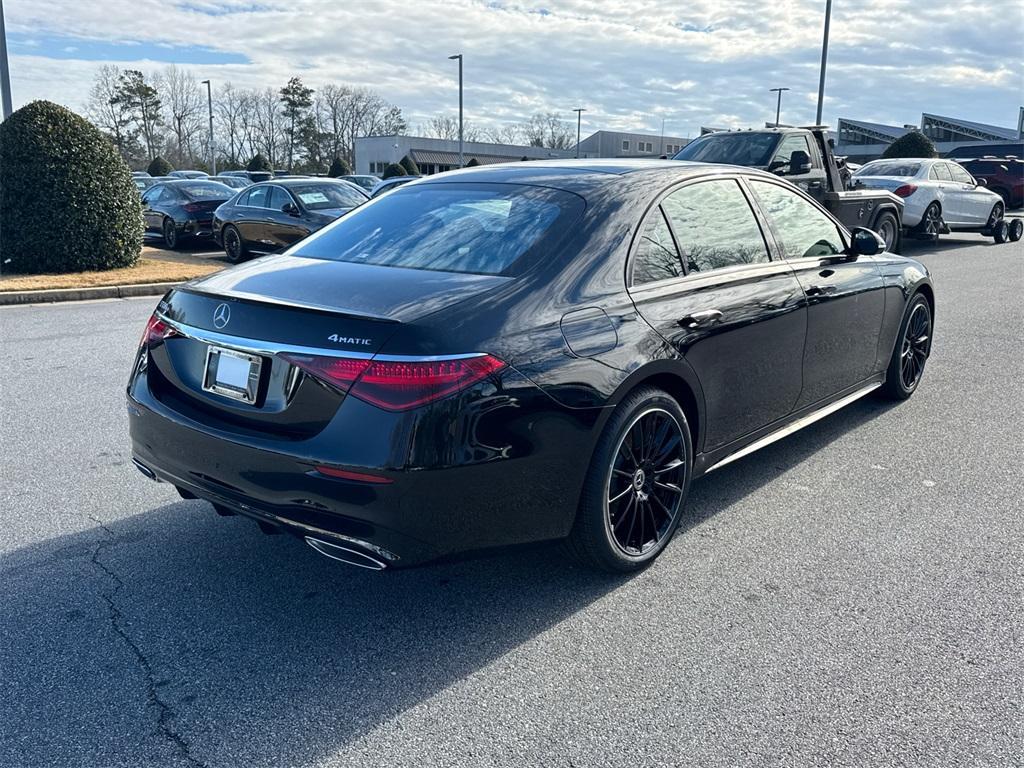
pixel 522 352
pixel 180 208
pixel 235 182
pixel 270 216
pixel 388 184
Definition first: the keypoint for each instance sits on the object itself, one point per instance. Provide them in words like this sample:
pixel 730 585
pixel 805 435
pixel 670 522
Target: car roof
pixel 290 181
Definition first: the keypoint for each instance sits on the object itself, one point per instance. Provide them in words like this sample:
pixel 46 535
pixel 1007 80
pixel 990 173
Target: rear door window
pixel 959 174
pixel 805 230
pixel 715 226
pixel 656 255
pixel 278 198
pixel 940 172
pixel 258 197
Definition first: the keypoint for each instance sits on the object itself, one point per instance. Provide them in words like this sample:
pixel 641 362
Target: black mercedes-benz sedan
pixel 271 216
pixel 182 208
pixel 534 351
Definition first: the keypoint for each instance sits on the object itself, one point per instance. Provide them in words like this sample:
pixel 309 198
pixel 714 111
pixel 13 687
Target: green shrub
pixel 394 169
pixel 473 163
pixel 913 144
pixel 339 168
pixel 67 202
pixel 259 163
pixel 159 167
pixel 410 166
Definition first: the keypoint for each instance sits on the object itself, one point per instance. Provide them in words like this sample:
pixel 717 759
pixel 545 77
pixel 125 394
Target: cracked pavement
pixel 852 596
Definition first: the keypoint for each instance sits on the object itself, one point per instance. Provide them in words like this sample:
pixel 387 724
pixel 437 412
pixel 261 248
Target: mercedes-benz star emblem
pixel 221 315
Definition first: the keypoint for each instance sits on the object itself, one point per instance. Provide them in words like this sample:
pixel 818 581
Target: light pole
pixel 459 57
pixel 824 61
pixel 579 119
pixel 5 72
pixel 662 150
pixel 209 104
pixel 778 104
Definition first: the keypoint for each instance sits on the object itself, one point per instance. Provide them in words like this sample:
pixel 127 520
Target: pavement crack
pixel 166 713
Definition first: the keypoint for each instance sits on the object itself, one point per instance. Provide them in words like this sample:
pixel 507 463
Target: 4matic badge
pixel 349 340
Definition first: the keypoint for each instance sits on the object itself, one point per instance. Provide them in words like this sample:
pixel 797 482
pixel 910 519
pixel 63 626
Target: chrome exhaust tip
pixel 145 470
pixel 346 554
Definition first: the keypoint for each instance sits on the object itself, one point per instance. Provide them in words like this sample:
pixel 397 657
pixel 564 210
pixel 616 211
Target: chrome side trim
pixel 794 426
pixel 260 347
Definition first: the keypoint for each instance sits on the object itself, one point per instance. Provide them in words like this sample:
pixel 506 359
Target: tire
pixel 931 222
pixel 1015 229
pixel 234 246
pixel 632 485
pixel 170 233
pixel 1001 231
pixel 911 350
pixel 888 228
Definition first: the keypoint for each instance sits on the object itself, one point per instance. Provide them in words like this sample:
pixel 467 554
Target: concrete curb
pixel 10 298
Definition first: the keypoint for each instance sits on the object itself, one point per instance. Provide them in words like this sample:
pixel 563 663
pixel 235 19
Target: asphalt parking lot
pixel 851 596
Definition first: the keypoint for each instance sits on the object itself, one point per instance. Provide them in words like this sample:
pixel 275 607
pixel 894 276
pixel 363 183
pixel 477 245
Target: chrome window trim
pixel 261 347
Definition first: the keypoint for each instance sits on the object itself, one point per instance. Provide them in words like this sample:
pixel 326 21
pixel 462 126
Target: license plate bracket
pixel 231 373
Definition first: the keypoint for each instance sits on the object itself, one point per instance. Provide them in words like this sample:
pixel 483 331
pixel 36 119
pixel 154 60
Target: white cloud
pixel 697 63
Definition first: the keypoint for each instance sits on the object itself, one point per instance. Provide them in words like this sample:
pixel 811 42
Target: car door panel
pixel 845 298
pixel 740 326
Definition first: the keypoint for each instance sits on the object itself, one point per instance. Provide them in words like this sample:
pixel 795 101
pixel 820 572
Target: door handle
pixel 700 319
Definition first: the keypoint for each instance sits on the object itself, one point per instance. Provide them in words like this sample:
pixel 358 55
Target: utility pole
pixel 662 150
pixel 461 157
pixel 778 105
pixel 824 61
pixel 5 72
pixel 579 118
pixel 209 104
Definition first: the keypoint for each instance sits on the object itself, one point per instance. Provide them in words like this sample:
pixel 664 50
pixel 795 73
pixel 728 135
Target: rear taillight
pixel 192 207
pixel 156 330
pixel 906 190
pixel 398 385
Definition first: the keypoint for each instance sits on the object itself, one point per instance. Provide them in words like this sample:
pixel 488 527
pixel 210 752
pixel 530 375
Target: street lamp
pixel 579 117
pixel 209 104
pixel 459 57
pixel 824 61
pixel 778 104
pixel 5 73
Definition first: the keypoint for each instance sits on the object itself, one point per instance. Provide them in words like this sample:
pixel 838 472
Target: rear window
pixel 326 195
pixel 490 229
pixel 889 168
pixel 206 190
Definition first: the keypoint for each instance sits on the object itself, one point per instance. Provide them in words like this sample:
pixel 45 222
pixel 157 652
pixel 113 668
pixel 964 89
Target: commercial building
pixel 861 141
pixel 374 153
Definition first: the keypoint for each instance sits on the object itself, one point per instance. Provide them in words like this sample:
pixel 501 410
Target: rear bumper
pixel 525 489
pixel 197 228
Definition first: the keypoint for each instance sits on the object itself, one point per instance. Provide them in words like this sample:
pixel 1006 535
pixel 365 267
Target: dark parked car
pixel 188 174
pixel 182 208
pixel 271 216
pixel 253 176
pixel 144 182
pixel 388 184
pixel 364 181
pixel 1002 175
pixel 521 352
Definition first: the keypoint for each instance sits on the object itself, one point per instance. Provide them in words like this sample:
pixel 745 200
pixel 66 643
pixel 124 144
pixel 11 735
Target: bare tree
pixel 111 114
pixel 268 135
pixel 183 100
pixel 511 133
pixel 447 127
pixel 230 105
pixel 549 130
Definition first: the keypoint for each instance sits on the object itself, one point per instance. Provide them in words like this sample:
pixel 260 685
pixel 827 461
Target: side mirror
pixel 291 209
pixel 866 242
pixel 799 162
pixel 981 182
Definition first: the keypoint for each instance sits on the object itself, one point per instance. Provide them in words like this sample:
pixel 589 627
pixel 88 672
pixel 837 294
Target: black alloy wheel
pixel 995 217
pixel 931 223
pixel 1015 228
pixel 233 247
pixel 637 484
pixel 913 347
pixel 170 232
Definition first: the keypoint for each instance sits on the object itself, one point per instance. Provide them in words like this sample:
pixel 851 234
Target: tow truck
pixel 804 157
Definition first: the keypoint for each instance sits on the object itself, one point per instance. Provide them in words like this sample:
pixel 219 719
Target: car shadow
pixel 220 641
pixel 946 243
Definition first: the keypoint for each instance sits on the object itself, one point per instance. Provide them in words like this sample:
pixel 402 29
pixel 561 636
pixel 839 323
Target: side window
pixel 243 199
pixel 258 197
pixel 959 174
pixel 625 145
pixel 278 197
pixel 805 231
pixel 792 143
pixel 656 255
pixel 715 225
pixel 941 171
pixel 152 195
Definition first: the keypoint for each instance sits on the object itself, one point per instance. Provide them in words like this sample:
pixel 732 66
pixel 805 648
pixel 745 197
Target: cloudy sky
pixel 629 63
